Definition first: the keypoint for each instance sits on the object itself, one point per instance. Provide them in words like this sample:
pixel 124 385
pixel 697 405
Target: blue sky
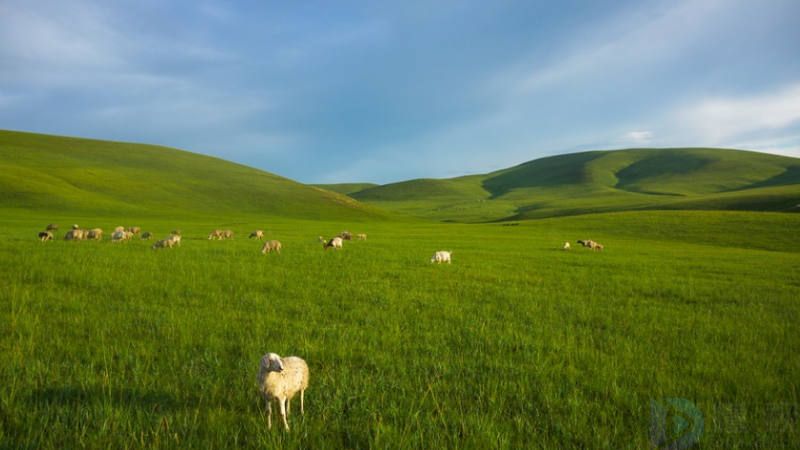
pixel 386 91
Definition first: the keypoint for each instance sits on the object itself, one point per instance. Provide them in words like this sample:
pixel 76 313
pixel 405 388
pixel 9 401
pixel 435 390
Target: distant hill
pixel 602 181
pixel 345 188
pixel 86 176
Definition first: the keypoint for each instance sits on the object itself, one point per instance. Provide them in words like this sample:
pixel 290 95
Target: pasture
pixel 516 344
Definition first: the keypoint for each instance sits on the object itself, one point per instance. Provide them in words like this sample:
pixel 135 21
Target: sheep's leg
pixel 283 413
pixel 288 406
pixel 269 412
pixel 302 391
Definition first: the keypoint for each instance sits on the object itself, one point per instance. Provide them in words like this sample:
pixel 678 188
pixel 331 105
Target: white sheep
pixel 441 256
pixel 566 246
pixel 335 242
pixel 258 234
pixel 75 234
pixel 163 243
pixel 271 246
pixel 175 238
pixel 95 234
pixel 280 379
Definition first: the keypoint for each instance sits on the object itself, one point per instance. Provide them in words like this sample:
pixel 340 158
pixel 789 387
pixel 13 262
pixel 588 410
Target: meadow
pixel 516 344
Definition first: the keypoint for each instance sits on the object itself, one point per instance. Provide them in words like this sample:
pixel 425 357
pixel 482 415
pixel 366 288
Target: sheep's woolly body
pixel 281 379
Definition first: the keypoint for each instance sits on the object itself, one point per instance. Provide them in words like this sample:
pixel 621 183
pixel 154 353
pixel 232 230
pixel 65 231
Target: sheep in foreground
pixel 45 236
pixel 566 246
pixel 52 227
pixel 146 236
pixel 335 242
pixel 94 234
pixel 281 379
pixel 271 246
pixel 258 234
pixel 361 237
pixel 442 256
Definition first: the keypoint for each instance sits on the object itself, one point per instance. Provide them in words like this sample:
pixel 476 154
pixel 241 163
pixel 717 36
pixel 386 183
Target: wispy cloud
pixel 720 120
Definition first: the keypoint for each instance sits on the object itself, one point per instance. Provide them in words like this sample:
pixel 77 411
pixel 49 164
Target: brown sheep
pixel 271 246
pixel 227 234
pixel 134 230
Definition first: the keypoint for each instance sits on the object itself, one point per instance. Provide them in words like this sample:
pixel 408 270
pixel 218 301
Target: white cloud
pixel 721 120
pixel 638 137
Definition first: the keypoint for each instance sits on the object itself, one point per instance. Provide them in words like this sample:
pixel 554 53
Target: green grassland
pixel 516 344
pixel 603 181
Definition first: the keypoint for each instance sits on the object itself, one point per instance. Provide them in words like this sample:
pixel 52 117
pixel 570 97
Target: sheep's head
pixel 271 362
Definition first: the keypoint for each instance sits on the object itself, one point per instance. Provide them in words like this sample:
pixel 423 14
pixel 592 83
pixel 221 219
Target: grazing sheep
pixel 361 237
pixel 281 379
pixel 227 234
pixel 215 235
pixel 94 234
pixel 163 243
pixel 335 242
pixel 591 244
pixel 566 246
pixel 119 228
pixel 119 236
pixel 146 235
pixel 45 236
pixel 75 234
pixel 271 246
pixel 258 234
pixel 52 227
pixel 134 230
pixel 441 256
pixel 175 238
pixel 346 235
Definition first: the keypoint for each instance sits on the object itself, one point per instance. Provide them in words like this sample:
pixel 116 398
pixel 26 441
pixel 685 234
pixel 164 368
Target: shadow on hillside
pixel 150 400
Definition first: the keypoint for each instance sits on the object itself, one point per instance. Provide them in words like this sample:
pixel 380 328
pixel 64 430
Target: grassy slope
pixel 516 344
pixel 91 177
pixel 346 188
pixel 692 178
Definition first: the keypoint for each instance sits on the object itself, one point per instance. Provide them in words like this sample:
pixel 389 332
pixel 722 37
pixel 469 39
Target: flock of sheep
pixel 279 379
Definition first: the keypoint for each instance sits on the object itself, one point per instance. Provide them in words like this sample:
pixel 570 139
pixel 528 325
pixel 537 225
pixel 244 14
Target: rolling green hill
pixel 84 176
pixel 603 181
pixel 345 188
